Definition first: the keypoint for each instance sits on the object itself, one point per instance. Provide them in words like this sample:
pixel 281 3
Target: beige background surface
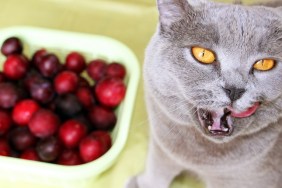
pixel 129 21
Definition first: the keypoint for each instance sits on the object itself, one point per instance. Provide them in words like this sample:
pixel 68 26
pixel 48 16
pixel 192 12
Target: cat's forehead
pixel 247 28
pixel 242 14
pixel 237 28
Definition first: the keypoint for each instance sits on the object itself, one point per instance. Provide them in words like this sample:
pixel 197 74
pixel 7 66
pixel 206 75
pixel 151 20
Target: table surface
pixel 132 22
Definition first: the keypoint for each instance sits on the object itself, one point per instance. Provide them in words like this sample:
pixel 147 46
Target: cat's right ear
pixel 171 11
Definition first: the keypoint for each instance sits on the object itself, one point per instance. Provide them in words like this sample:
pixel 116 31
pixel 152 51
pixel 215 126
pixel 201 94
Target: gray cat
pixel 213 86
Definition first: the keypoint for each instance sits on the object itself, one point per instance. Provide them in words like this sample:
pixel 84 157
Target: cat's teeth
pixel 210 128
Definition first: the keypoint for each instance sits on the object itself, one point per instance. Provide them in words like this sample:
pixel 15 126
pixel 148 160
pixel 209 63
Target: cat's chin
pixel 219 122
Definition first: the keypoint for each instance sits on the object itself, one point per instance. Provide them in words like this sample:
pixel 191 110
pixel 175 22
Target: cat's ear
pixel 171 11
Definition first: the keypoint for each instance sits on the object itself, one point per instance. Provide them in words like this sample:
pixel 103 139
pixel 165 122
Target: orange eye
pixel 264 65
pixel 203 55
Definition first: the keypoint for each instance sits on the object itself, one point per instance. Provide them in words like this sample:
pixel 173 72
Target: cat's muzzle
pixel 218 122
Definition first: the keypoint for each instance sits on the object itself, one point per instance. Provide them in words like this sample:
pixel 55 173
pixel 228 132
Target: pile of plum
pixel 50 112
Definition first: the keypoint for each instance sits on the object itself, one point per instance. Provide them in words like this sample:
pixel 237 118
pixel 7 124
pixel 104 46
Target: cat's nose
pixel 234 93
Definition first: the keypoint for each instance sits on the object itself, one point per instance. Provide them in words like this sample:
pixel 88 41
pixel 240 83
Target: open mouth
pixel 219 122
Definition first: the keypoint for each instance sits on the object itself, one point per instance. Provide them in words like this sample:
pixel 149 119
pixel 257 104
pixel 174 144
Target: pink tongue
pixel 250 111
pixel 216 116
pixel 216 120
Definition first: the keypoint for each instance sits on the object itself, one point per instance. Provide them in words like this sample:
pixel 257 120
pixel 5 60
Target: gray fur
pixel 176 85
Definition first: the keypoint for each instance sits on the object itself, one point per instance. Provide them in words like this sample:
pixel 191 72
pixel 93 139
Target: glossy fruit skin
pixel 116 70
pixel 22 139
pixel 15 67
pixel 90 148
pixel 12 45
pixel 30 154
pixel 69 157
pixel 49 65
pixel 96 69
pixel 44 123
pixel 5 149
pixel 110 91
pixel 5 122
pixel 38 56
pixel 105 138
pixel 23 111
pixel 75 62
pixel 9 95
pixel 66 82
pixel 102 118
pixel 42 91
pixel 85 97
pixel 71 132
pixel 48 149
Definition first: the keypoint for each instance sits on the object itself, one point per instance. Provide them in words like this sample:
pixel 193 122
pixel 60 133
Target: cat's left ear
pixel 171 11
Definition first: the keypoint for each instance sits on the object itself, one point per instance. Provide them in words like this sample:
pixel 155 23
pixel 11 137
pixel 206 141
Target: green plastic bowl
pixel 30 174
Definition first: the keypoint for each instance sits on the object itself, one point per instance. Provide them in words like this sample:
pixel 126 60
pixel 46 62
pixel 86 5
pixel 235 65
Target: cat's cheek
pixel 268 84
pixel 270 93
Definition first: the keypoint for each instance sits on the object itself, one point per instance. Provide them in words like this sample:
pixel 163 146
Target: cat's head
pixel 219 65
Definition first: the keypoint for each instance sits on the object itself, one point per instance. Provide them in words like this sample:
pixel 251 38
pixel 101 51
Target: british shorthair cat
pixel 213 88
